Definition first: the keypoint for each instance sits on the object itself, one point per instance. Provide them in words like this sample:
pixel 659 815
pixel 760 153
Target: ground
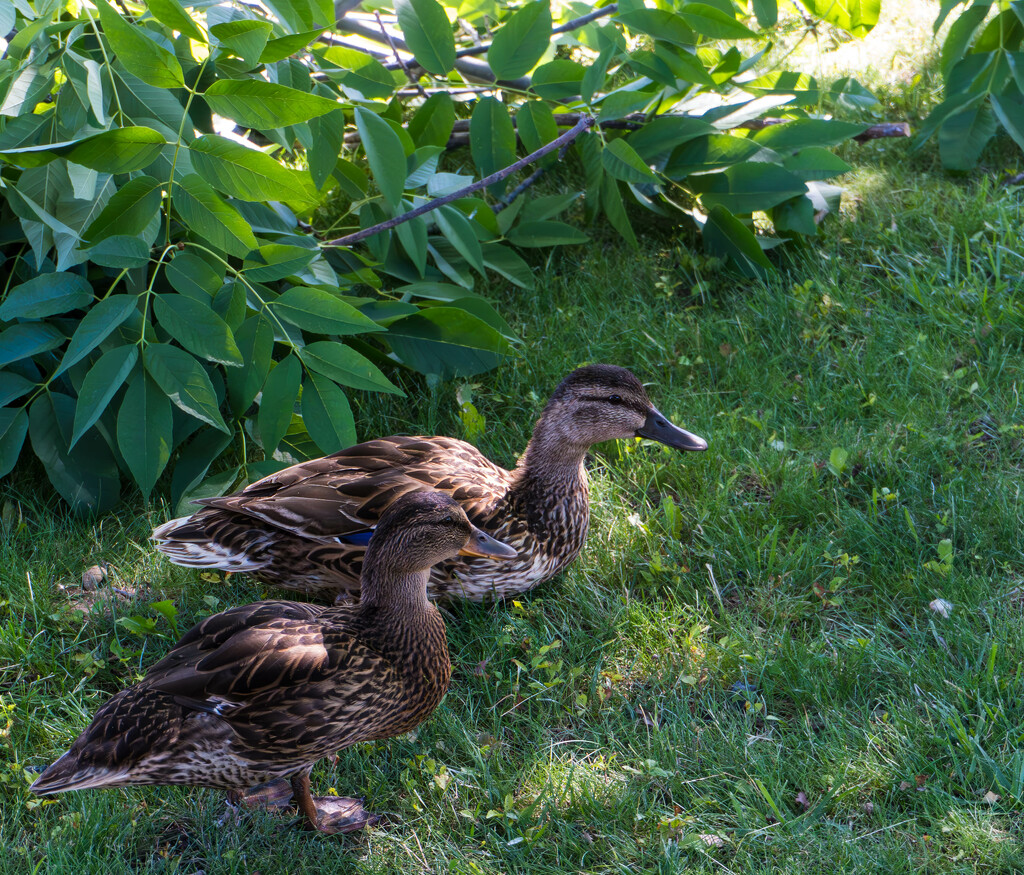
pixel 799 651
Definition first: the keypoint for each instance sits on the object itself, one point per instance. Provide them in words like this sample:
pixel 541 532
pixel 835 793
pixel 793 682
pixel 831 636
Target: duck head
pixel 421 529
pixel 602 402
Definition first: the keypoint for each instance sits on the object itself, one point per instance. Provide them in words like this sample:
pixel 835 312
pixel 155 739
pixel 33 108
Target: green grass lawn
pixel 742 672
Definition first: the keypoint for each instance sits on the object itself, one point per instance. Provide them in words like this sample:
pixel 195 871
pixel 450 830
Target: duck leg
pixel 274 794
pixel 330 814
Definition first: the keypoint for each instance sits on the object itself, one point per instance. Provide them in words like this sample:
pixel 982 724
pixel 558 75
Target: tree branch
pixel 585 122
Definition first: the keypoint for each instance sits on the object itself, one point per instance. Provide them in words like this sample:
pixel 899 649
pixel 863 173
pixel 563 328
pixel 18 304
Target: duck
pixel 306 528
pixel 257 694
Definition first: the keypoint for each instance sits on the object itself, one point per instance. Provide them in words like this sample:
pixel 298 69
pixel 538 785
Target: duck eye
pixel 614 399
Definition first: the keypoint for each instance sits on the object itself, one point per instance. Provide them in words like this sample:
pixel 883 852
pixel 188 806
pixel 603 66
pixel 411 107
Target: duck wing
pixel 344 494
pixel 257 654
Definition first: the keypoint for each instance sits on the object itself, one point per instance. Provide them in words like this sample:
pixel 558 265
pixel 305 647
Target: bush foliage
pixel 983 70
pixel 166 298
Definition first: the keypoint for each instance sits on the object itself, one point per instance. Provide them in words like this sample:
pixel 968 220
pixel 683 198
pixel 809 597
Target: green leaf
pixel 747 187
pixel 346 366
pixel 547 207
pixel 13 386
pixel 614 209
pixel 282 47
pixel 849 94
pixel 713 153
pixel 13 428
pixel 362 72
pixel 413 237
pixel 327 415
pixel 802 87
pixel 447 341
pixel 255 339
pixel 384 153
pixel 459 231
pixel 959 36
pixel 216 223
pixel 594 75
pixel 492 140
pixel 502 260
pixel 248 174
pixel 254 103
pixel 766 12
pixel 542 234
pixel 857 17
pixel 119 251
pixel 28 339
pixel 116 151
pixel 141 56
pixel 433 122
pixel 727 236
pixel 713 23
pixel 558 80
pixel 100 385
pixel 244 38
pixel 521 41
pixel 622 162
pixel 428 34
pixel 801 133
pixel 815 163
pixel 277 403
pixel 535 123
pixel 659 24
pixel 660 136
pixel 328 136
pixel 197 328
pixel 184 381
pixel 129 211
pixel 963 136
pixel 144 429
pixel 46 295
pixel 214 485
pixel 87 476
pixel 795 216
pixel 102 318
pixel 321 312
pixel 1009 111
pixel 173 14
pixel 194 461
pixel 277 261
pixel 193 276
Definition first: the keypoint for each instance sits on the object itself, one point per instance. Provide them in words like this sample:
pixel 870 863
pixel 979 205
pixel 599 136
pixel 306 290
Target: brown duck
pixel 306 527
pixel 261 692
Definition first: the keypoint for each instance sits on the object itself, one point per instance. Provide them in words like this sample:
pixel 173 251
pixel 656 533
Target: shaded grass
pixel 712 665
pixel 718 668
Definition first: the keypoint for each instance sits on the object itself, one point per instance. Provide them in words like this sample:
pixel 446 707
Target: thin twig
pixel 519 189
pixel 405 67
pixel 565 139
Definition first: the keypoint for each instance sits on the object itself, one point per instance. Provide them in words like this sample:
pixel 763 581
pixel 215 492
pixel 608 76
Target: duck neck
pixel 391 591
pixel 552 463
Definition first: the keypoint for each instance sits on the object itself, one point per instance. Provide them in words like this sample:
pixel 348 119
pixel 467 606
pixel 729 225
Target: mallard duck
pixel 306 527
pixel 259 693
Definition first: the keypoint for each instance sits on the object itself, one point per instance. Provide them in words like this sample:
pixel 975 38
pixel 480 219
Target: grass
pixel 742 672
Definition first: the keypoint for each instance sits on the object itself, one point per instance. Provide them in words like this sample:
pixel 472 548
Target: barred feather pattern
pixel 290 529
pixel 260 692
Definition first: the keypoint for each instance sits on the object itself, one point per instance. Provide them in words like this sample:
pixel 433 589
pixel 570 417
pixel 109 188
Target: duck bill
pixel 484 546
pixel 658 428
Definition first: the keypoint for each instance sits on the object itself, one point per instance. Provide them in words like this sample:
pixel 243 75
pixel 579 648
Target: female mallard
pixel 306 527
pixel 261 692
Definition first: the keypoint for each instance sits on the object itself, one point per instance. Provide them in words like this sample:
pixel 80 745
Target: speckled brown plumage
pixel 264 690
pixel 305 527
